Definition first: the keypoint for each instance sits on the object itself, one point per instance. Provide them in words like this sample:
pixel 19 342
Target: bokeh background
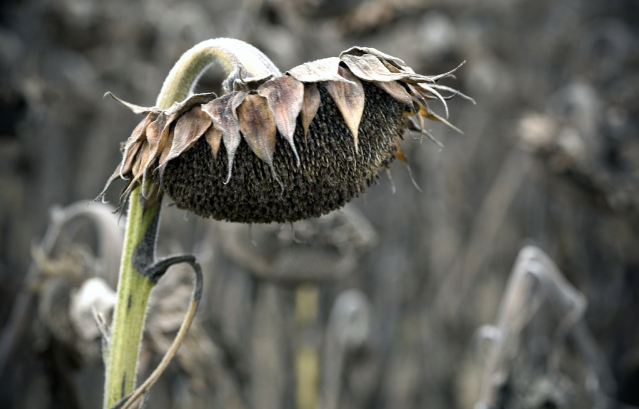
pixel 391 303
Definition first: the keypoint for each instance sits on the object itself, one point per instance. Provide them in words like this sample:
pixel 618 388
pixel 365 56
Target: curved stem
pixel 230 53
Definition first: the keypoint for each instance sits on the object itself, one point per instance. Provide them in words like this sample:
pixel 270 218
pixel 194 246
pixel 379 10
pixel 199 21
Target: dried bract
pixel 282 147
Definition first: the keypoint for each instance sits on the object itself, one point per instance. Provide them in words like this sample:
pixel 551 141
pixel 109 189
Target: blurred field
pixel 400 282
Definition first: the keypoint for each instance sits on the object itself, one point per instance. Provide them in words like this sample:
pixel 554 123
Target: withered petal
pixel 311 104
pixel 188 129
pixel 213 137
pixel 225 118
pixel 285 96
pixel 395 90
pixel 319 70
pixel 137 109
pixel 349 98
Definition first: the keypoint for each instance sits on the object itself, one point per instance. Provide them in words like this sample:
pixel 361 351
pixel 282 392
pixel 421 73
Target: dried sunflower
pixel 281 147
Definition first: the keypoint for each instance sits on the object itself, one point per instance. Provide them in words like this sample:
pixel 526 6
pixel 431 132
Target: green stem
pixel 133 294
pixel 134 289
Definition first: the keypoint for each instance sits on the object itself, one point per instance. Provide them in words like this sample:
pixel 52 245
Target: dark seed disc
pixel 330 174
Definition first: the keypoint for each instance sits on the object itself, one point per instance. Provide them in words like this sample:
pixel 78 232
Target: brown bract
pixel 286 147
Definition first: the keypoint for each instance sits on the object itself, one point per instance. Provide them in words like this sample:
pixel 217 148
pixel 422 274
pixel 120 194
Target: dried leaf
pixel 129 156
pixel 133 144
pixel 140 159
pixel 135 108
pixel 259 130
pixel 165 152
pixel 285 96
pixel 224 118
pixel 188 130
pixel 139 130
pixel 349 98
pixel 250 83
pixel 113 177
pixel 370 68
pixel 395 90
pixel 139 168
pixel 257 124
pixel 213 137
pixel 173 114
pixel 155 128
pixel 311 104
pixel 325 69
pixel 179 108
pixel 157 134
pixel 237 101
pixel 360 51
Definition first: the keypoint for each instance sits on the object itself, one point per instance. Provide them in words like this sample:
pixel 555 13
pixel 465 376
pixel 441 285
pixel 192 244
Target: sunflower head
pixel 281 147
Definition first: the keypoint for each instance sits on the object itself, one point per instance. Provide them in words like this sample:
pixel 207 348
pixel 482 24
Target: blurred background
pixel 398 301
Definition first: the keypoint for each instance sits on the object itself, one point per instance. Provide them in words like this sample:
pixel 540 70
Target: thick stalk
pixel 134 288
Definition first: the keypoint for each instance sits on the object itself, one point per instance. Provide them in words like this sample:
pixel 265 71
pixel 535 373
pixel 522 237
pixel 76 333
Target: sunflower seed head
pixel 282 147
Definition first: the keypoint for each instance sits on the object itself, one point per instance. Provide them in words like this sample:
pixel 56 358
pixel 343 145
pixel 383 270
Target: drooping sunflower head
pixel 281 147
